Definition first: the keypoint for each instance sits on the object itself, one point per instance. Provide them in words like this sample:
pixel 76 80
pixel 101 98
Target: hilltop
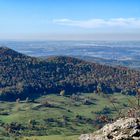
pixel 24 76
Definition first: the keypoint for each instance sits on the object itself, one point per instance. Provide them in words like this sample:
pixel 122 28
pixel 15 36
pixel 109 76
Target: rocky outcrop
pixel 122 129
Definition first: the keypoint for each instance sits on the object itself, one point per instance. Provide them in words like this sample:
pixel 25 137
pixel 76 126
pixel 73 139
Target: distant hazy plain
pixel 117 50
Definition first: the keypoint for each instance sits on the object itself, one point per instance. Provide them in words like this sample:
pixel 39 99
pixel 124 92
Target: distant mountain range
pixel 22 76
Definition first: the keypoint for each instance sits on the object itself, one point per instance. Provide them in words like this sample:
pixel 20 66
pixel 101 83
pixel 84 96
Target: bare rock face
pixel 122 129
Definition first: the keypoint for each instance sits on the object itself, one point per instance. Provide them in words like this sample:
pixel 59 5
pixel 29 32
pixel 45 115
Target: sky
pixel 69 19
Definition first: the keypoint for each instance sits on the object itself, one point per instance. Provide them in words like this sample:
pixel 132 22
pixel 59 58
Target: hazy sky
pixel 69 19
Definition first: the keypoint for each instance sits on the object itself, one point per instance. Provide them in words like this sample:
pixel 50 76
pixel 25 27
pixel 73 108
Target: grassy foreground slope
pixel 55 137
pixel 57 116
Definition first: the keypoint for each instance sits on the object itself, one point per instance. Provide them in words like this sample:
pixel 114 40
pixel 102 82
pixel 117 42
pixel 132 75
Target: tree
pixel 138 97
pixel 62 92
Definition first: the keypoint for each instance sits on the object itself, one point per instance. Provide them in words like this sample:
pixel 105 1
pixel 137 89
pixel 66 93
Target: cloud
pixel 100 23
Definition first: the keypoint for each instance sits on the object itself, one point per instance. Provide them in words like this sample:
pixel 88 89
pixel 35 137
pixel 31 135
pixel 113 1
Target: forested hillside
pixel 23 76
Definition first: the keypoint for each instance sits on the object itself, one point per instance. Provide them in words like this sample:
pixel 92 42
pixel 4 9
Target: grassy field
pixel 53 116
pixel 52 137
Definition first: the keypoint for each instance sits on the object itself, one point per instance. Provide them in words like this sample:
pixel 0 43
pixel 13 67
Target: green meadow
pixel 58 117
